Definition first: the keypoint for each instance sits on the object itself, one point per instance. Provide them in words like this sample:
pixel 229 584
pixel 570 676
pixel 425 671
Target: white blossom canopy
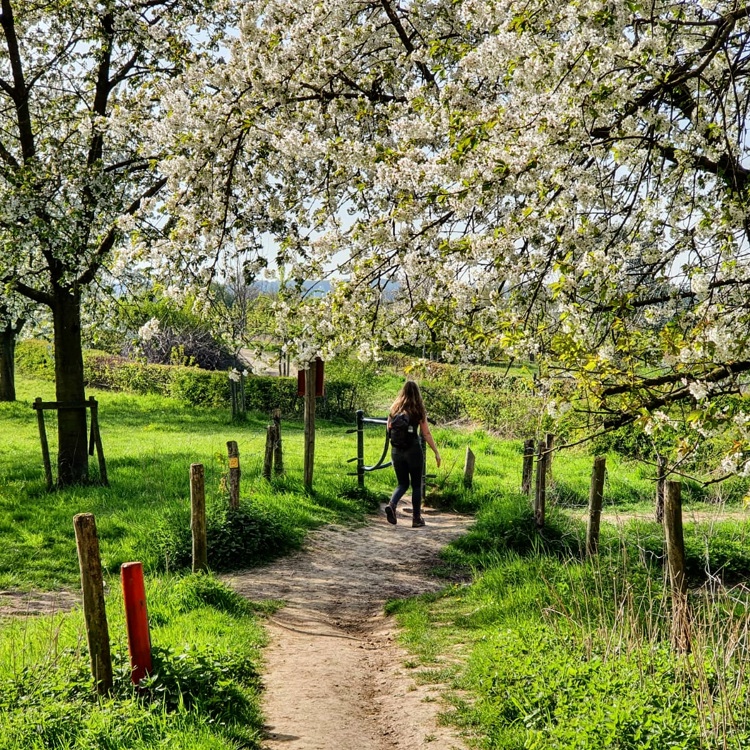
pixel 502 177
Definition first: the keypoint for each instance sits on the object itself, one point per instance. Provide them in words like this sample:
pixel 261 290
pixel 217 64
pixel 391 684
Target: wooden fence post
pixel 94 612
pixel 268 457
pixel 469 468
pixel 243 403
pixel 45 444
pixel 97 439
pixel 540 497
pixel 233 453
pixel 596 494
pixel 278 454
pixel 661 476
pixel 198 517
pixel 549 442
pixel 310 374
pixel 528 465
pixel 676 561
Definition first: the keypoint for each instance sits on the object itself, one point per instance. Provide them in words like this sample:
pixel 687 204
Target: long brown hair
pixel 410 401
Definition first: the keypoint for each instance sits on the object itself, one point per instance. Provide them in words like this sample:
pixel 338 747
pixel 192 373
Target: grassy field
pixel 543 650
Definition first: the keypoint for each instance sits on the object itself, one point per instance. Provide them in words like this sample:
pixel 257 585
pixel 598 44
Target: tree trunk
pixel 8 360
pixel 72 457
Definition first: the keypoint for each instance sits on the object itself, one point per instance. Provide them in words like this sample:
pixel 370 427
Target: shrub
pixel 36 358
pixel 236 539
pixel 268 393
pixel 118 373
pixel 199 387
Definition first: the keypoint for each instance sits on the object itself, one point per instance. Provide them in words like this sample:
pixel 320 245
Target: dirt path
pixel 334 677
pixel 619 518
pixel 24 604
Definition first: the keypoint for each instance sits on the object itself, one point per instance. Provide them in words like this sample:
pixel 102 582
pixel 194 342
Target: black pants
pixel 408 464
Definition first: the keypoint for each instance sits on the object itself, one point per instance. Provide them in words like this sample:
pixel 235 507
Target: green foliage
pixel 577 697
pixel 264 394
pixel 199 387
pixel 120 374
pixel 198 679
pixel 630 441
pixel 349 386
pixel 203 692
pixel 510 525
pixel 247 536
pixel 35 358
pixel 236 538
pixel 506 404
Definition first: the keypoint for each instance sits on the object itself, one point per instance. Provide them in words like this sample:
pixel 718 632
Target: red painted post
pixel 136 619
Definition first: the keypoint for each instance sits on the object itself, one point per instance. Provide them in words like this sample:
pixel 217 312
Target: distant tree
pixel 14 312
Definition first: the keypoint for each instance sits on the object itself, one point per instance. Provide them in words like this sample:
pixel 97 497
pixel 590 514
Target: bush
pixel 199 387
pixel 236 539
pixel 118 373
pixel 508 404
pixel 36 358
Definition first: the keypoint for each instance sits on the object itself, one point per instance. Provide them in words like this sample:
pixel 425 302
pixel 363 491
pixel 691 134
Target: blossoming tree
pixel 77 82
pixel 568 179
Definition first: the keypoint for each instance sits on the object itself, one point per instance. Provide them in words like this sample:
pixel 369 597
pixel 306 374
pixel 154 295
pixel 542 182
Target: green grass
pixel 547 650
pixel 203 693
pixel 150 443
pixel 542 650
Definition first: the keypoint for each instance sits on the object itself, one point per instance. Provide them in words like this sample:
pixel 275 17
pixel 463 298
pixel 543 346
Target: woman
pixel 406 415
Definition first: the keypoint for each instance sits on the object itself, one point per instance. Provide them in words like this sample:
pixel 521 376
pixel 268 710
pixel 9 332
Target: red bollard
pixel 136 619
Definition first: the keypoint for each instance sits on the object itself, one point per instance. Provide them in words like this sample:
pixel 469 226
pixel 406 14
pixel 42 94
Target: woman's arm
pixel 427 435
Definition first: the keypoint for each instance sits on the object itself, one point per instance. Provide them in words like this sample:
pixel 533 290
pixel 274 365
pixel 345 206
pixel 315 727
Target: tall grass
pixel 563 653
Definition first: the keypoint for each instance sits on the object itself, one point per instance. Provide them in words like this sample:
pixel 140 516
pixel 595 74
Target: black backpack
pixel 402 433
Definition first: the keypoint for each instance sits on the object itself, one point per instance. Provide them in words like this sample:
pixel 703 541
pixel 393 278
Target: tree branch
pixel 713 376
pixel 404 37
pixel 109 240
pixel 19 92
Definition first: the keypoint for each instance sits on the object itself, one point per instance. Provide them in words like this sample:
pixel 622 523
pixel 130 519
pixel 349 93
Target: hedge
pixel 191 385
